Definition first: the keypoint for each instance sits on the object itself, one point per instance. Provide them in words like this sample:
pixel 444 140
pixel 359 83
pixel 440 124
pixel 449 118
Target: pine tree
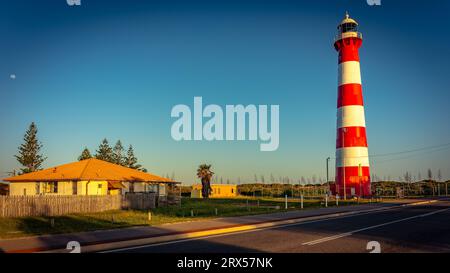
pixel 85 155
pixel 29 155
pixel 118 151
pixel 104 151
pixel 130 160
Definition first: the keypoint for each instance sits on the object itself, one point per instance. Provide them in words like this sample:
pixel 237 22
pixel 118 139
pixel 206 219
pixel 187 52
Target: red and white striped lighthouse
pixel 352 157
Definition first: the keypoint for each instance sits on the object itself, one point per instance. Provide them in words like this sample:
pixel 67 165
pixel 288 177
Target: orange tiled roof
pixel 89 169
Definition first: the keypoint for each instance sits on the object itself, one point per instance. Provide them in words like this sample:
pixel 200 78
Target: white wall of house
pixel 62 188
pixel 81 188
pixel 145 187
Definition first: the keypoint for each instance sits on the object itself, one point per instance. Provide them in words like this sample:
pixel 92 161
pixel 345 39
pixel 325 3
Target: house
pixel 87 177
pixel 217 191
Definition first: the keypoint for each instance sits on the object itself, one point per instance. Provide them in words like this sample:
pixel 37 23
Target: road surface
pixel 421 228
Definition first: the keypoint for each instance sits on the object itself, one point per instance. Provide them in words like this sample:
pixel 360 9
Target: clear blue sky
pixel 115 69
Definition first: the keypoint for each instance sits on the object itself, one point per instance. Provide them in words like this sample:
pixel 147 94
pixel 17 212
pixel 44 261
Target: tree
pixel 29 151
pixel 85 155
pixel 205 174
pixel 439 177
pixel 430 178
pixel 408 180
pixel 130 160
pixel 407 177
pixel 430 174
pixel 104 151
pixel 117 155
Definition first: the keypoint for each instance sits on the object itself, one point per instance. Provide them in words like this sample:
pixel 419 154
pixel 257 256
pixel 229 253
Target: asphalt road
pixel 422 228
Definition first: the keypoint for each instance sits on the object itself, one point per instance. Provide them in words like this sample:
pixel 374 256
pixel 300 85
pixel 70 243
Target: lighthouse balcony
pixel 351 34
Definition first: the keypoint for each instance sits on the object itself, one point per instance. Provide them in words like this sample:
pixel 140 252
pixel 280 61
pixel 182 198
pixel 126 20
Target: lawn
pixel 200 208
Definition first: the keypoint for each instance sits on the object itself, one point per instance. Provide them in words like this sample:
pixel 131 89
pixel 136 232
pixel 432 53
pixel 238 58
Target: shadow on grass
pixel 63 224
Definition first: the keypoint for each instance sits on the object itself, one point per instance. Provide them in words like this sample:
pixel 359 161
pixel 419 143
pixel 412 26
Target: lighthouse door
pixel 352 190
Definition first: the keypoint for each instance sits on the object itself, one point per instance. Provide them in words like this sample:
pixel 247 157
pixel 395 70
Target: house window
pixel 74 187
pixel 38 188
pixel 51 187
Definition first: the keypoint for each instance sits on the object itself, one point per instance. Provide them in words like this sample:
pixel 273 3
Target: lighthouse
pixel 352 156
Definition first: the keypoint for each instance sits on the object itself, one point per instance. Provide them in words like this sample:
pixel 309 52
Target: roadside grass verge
pixel 189 210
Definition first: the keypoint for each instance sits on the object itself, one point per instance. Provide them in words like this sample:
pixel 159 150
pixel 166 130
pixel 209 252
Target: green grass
pixel 202 209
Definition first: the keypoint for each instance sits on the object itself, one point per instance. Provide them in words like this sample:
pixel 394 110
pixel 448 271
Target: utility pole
pixel 359 179
pixel 328 180
pixel 343 145
pixel 328 159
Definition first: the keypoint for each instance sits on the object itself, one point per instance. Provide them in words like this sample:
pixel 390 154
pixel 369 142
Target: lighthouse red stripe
pixel 348 49
pixel 352 137
pixel 350 94
pixel 360 184
pixel 351 174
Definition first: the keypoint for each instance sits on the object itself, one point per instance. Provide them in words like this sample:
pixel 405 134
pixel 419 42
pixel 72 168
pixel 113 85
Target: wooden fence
pixel 20 206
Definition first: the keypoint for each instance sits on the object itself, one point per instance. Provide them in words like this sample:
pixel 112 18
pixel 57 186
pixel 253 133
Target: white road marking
pixel 330 238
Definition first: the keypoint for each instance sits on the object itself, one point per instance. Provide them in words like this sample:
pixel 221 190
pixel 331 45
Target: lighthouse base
pixel 357 183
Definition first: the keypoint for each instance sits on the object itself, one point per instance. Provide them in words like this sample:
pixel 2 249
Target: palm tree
pixel 205 174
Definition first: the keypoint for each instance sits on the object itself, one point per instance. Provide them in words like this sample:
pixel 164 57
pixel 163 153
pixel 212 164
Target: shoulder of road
pixel 104 240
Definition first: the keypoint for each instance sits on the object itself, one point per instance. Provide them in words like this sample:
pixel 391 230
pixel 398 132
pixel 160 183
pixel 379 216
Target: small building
pixel 217 191
pixel 87 177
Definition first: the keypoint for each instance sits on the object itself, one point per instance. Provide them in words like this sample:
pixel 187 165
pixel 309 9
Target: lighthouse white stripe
pixel 351 115
pixel 352 156
pixel 349 72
